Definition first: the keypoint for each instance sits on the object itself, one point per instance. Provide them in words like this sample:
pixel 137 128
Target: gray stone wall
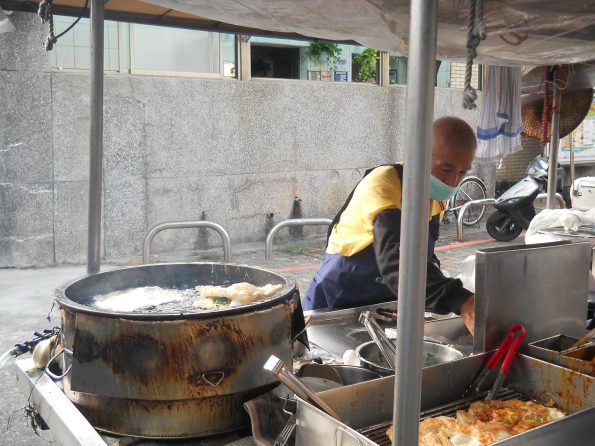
pixel 177 147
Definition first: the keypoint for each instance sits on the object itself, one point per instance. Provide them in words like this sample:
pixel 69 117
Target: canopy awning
pixel 520 32
pixel 135 11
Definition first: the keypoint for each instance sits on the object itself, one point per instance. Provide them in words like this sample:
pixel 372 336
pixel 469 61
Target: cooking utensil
pixel 315 384
pixel 582 341
pixel 506 353
pixel 550 350
pixel 370 404
pixel 386 347
pixel 324 371
pixel 388 313
pixel 277 367
pixel 169 375
pixel 351 374
pixel 433 353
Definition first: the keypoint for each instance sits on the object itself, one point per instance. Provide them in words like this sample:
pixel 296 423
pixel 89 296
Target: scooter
pixel 514 208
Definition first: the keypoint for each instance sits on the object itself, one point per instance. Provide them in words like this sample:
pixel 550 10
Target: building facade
pixel 179 145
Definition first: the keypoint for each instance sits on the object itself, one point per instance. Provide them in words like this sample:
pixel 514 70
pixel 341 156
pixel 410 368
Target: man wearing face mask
pixel 361 264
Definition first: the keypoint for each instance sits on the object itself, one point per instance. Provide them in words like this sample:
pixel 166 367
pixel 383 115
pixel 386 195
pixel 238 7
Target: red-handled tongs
pixel 506 351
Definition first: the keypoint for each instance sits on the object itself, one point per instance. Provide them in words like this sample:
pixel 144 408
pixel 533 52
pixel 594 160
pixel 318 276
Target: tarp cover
pixel 520 32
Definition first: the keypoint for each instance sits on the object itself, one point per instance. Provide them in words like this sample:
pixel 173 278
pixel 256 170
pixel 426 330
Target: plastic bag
pixel 467 275
pixel 569 219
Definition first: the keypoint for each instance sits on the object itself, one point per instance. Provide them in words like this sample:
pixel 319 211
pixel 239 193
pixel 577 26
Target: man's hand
pixel 468 314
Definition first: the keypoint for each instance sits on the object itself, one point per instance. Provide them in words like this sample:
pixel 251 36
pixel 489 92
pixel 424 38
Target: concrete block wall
pixel 457 75
pixel 177 147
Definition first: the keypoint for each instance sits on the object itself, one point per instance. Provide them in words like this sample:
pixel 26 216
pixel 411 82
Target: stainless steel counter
pixel 337 331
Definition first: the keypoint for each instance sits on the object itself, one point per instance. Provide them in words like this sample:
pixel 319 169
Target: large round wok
pixel 172 375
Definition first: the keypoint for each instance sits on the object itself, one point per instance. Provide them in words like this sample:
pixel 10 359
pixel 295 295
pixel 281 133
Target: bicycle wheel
pixel 470 189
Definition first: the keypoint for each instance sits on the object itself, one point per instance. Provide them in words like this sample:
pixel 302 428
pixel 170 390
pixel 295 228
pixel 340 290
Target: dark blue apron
pixel 348 282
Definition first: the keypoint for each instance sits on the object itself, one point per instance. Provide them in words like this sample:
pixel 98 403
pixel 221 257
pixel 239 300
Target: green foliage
pixel 291 248
pixel 332 51
pixel 367 60
pixel 209 255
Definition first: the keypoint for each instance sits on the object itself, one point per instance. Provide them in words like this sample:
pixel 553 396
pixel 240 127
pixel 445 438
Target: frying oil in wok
pixel 154 299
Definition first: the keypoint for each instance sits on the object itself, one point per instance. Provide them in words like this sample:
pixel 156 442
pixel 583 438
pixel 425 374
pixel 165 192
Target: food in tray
pixel 484 423
pixel 239 293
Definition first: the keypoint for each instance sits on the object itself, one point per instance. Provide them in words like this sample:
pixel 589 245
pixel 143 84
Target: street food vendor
pixel 361 263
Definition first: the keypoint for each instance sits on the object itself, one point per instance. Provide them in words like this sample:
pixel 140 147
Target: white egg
pixel 351 358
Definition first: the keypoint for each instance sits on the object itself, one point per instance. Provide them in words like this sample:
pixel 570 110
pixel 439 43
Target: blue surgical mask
pixel 439 190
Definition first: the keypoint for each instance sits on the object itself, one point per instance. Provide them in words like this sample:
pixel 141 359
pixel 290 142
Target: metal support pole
pixel 414 222
pixel 96 139
pixel 572 172
pixel 552 175
pixel 384 68
pixel 243 59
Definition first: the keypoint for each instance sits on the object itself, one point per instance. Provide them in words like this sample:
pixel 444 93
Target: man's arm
pixel 443 295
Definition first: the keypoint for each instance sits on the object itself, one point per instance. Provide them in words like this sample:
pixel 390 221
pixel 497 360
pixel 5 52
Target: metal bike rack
pixel 491 201
pixel 184 225
pixel 268 244
pixel 558 197
pixel 464 208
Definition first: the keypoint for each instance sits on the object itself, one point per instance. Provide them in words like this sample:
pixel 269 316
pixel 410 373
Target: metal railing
pixel 268 244
pixel 559 199
pixel 185 225
pixel 491 201
pixel 463 210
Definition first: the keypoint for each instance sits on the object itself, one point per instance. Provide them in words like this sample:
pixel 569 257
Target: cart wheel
pixel 503 228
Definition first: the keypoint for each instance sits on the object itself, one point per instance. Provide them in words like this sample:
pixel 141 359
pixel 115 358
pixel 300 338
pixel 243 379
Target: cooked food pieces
pixel 484 423
pixel 389 433
pixel 239 293
pixel 133 299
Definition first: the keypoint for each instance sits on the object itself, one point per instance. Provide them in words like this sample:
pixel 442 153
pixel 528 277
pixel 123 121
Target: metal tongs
pixel 507 351
pixel 277 367
pixel 385 345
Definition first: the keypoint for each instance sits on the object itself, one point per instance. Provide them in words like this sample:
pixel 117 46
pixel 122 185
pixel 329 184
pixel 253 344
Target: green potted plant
pixel 367 60
pixel 332 50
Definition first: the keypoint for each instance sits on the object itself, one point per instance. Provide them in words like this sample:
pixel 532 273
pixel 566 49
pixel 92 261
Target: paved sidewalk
pixel 26 299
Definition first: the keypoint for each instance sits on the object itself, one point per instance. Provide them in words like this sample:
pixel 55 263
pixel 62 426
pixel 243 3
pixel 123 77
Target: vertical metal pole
pixel 243 58
pixel 384 69
pixel 96 139
pixel 552 179
pixel 414 223
pixel 572 172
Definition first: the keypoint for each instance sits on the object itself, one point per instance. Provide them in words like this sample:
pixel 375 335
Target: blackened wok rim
pixel 288 292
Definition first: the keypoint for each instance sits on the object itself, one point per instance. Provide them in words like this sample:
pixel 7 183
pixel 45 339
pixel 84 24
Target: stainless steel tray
pixel 371 403
pixel 549 349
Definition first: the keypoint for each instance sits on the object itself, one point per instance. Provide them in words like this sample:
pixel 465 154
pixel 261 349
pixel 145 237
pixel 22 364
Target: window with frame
pixel 145 49
pixel 164 50
pixel 73 50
